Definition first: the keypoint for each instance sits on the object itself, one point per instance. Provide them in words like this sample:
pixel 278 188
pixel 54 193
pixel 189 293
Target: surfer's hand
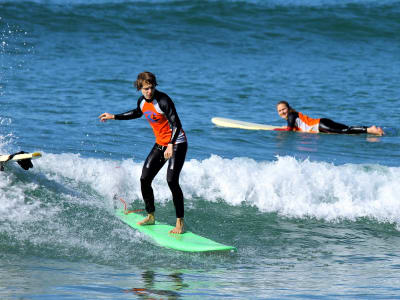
pixel 106 116
pixel 168 153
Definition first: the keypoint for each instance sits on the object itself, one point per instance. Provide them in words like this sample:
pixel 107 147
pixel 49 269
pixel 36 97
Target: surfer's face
pixel 148 91
pixel 282 110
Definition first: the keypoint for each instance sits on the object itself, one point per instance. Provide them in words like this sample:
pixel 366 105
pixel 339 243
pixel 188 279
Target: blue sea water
pixel 312 216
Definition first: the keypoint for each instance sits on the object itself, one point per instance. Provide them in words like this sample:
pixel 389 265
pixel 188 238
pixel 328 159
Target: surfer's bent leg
pixel 329 126
pixel 154 162
pixel 174 169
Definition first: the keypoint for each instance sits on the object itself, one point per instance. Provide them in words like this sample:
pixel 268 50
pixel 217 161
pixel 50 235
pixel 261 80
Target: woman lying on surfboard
pixel 296 121
pixel 171 144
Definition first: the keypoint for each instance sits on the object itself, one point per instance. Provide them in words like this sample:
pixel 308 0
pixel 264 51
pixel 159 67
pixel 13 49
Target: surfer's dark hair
pixel 290 109
pixel 145 77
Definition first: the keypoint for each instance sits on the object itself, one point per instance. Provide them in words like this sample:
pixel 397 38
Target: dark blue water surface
pixel 312 216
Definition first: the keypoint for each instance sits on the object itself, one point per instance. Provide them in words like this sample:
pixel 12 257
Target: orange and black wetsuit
pixel 299 122
pixel 167 128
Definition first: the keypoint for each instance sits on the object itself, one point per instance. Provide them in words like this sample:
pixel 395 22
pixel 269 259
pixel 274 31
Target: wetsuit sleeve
pixel 168 107
pixel 131 114
pixel 291 122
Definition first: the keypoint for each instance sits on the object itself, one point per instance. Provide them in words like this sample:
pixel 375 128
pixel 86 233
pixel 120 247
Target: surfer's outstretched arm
pixel 106 116
pixel 129 115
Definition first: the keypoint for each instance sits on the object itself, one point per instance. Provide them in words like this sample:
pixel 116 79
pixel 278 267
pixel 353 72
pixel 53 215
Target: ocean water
pixel 312 216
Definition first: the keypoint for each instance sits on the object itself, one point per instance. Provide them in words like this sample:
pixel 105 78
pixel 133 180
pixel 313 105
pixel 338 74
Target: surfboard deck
pixel 231 123
pixel 4 158
pixel 159 232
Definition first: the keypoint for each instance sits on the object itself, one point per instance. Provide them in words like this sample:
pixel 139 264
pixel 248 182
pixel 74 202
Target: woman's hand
pixel 106 116
pixel 170 150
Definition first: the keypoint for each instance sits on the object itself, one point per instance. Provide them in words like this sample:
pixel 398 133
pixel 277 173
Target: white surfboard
pixel 18 158
pixel 230 123
pixel 5 158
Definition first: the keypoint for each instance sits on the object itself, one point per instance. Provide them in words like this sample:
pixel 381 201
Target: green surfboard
pixel 159 232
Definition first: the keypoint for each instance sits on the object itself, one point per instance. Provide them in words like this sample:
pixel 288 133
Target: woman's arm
pixel 291 123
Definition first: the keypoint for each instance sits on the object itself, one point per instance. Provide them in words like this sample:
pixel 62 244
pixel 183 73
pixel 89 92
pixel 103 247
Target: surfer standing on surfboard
pixel 171 144
pixel 296 121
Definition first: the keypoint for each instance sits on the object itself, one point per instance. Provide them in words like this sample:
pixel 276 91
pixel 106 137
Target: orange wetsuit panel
pixel 158 122
pixel 306 124
pixel 299 122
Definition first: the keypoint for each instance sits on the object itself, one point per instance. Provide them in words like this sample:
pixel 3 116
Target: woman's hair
pixel 290 109
pixel 145 77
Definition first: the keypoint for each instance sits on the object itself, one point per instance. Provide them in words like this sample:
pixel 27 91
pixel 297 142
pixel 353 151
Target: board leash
pixel 126 211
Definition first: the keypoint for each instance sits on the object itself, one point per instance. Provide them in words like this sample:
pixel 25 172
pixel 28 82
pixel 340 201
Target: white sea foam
pixel 287 186
pixel 32 202
pixel 296 188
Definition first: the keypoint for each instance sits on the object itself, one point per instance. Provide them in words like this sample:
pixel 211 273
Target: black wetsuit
pixel 156 111
pixel 329 126
pixel 325 125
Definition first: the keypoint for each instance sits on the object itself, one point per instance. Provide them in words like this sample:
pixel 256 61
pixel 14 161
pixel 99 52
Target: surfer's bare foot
pixel 179 228
pixel 375 130
pixel 149 220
